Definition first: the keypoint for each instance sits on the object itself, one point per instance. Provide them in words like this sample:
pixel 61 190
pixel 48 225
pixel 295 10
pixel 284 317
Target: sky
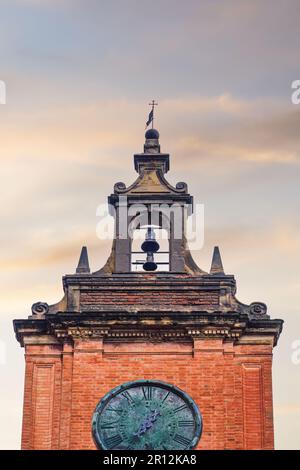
pixel 79 76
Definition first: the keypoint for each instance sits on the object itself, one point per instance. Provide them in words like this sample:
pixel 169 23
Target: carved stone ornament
pixel 181 186
pixel 119 187
pixel 40 308
pixel 258 309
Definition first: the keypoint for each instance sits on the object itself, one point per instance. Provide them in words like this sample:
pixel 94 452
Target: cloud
pixel 41 247
pixel 45 3
pixel 272 245
pixel 227 129
pixel 220 127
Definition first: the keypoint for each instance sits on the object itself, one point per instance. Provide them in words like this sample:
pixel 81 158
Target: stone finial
pixel 216 264
pixel 152 141
pixel 83 263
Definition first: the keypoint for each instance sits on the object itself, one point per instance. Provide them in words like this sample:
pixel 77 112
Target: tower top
pixel 151 134
pixel 151 141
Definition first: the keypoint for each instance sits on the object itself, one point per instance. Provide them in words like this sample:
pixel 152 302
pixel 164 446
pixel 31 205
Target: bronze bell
pixel 150 245
pixel 150 265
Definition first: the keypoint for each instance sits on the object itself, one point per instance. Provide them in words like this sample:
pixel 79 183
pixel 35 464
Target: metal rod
pixel 143 262
pixel 156 253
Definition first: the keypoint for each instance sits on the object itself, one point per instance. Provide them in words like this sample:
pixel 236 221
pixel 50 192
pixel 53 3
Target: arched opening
pixel 161 257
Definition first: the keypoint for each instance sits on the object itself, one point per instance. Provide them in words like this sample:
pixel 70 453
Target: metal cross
pixel 153 104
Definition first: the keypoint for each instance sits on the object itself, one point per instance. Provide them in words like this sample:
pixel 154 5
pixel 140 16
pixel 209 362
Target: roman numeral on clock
pixel 128 397
pixel 148 393
pixel 186 423
pixel 119 411
pixel 165 397
pixel 179 408
pixel 109 424
pixel 181 440
pixel 113 441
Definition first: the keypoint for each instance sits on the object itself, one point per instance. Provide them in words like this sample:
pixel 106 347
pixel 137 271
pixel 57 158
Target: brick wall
pixel 231 385
pixel 89 299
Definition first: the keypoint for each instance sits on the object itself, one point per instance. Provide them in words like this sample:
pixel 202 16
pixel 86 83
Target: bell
pixel 150 245
pixel 150 265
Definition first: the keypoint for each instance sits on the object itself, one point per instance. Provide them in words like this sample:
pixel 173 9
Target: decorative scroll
pixel 40 308
pixel 119 187
pixel 258 309
pixel 181 186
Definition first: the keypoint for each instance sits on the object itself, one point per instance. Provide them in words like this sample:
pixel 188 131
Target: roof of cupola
pixel 152 165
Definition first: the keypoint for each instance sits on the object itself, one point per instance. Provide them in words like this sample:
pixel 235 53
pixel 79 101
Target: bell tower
pixel 151 201
pixel 148 339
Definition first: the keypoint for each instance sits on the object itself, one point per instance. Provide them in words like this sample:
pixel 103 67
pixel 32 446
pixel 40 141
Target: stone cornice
pixel 149 326
pixel 140 280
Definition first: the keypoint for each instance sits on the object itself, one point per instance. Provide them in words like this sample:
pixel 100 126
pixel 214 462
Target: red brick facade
pixel 93 300
pixel 183 326
pixel 232 385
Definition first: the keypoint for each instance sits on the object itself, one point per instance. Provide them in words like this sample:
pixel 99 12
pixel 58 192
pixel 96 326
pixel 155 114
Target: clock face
pixel 146 415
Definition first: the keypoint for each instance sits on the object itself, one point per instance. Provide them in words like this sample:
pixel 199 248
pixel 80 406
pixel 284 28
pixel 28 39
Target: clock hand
pixel 147 423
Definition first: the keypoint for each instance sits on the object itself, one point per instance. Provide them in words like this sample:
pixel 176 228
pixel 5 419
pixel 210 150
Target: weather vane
pixel 151 114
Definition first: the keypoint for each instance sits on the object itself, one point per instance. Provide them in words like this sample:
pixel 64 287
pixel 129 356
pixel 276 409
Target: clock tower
pixel 150 351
